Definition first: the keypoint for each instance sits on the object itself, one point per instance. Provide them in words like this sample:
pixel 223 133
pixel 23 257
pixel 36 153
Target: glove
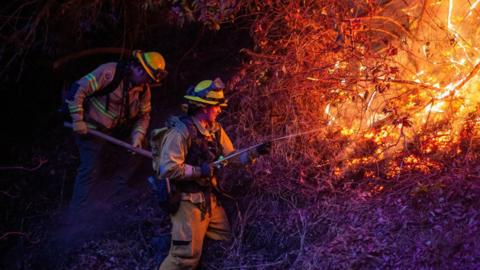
pixel 80 127
pixel 264 148
pixel 207 170
pixel 137 140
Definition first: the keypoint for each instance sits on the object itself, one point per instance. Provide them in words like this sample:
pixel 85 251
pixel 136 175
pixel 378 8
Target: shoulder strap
pixel 156 141
pixel 113 84
pixel 192 129
pixel 218 135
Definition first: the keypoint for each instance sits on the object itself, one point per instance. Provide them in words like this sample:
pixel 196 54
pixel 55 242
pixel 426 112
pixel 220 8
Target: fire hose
pixel 219 162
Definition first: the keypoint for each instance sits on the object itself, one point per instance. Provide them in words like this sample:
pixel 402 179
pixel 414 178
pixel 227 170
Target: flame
pixel 428 101
pixel 347 131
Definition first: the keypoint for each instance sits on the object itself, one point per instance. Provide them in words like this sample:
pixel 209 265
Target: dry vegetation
pixel 385 181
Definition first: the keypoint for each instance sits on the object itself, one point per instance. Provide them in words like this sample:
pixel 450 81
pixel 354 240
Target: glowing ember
pixel 426 101
pixel 394 84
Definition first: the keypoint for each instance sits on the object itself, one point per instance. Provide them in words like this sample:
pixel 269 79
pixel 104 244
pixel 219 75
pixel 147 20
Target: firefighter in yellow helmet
pixel 188 150
pixel 114 98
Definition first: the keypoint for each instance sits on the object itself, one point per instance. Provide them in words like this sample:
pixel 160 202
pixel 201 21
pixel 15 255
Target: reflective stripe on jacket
pixel 92 109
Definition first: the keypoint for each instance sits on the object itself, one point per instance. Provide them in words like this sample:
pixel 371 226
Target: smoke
pixel 118 182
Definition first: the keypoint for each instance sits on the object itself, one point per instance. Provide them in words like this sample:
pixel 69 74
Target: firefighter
pixel 114 99
pixel 188 150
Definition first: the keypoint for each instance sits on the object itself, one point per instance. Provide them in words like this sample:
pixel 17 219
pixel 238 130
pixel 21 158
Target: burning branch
pixel 368 87
pixel 469 76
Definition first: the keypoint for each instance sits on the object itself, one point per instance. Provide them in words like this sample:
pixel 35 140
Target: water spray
pixel 289 136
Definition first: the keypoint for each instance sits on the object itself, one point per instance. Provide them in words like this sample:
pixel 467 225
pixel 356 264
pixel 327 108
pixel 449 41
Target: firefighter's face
pixel 139 76
pixel 212 112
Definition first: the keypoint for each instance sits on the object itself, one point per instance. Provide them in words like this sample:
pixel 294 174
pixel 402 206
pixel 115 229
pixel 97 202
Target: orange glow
pixel 422 105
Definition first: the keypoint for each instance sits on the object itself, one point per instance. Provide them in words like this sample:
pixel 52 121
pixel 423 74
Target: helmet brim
pixel 205 102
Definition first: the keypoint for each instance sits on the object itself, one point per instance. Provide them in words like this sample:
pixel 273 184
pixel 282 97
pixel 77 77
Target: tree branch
pixel 73 56
pixel 22 168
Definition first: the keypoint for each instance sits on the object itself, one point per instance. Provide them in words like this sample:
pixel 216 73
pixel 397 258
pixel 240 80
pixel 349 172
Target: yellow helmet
pixel 207 92
pixel 153 63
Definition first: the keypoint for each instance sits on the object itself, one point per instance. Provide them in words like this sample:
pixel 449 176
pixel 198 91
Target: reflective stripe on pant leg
pixel 188 232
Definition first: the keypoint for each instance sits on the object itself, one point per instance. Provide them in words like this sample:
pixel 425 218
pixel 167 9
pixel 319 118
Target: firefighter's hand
pixel 80 127
pixel 264 148
pixel 207 169
pixel 137 140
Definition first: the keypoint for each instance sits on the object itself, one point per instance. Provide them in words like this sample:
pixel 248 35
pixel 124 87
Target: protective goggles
pixel 155 74
pixel 159 74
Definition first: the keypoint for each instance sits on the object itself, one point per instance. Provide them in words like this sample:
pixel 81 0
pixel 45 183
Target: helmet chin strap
pixel 202 119
pixel 129 72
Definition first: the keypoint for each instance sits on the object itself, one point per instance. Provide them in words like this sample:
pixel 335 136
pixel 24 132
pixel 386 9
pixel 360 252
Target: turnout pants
pixel 91 161
pixel 189 230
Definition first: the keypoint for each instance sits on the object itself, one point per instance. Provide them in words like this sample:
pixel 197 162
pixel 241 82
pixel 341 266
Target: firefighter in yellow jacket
pixel 188 150
pixel 113 96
